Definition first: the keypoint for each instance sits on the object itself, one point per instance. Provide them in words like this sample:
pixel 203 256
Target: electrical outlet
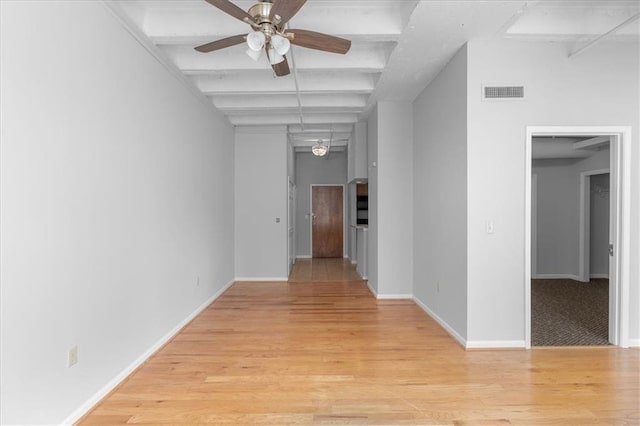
pixel 438 286
pixel 198 282
pixel 72 356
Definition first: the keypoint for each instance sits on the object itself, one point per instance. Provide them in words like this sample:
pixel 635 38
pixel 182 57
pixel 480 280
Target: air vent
pixel 502 92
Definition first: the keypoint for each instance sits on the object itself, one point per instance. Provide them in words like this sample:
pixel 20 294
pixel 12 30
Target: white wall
pixel 260 198
pixel 440 195
pixel 558 213
pixel 115 198
pixel 598 87
pixel 395 199
pixel 331 169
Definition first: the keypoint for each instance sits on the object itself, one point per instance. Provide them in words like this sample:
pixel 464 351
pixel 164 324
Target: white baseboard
pixel 495 344
pixel 262 279
pixel 98 396
pixel 394 296
pixel 442 323
pixel 556 277
pixel 605 276
pixel 634 343
pixel 304 256
pixel 375 294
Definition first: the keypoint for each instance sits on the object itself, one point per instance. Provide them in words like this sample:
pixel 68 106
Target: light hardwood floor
pixel 329 353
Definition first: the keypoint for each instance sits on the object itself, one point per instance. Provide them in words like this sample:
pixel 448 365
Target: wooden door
pixel 327 221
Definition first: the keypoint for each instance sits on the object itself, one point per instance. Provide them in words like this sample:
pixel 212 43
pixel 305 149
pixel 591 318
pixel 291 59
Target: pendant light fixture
pixel 319 150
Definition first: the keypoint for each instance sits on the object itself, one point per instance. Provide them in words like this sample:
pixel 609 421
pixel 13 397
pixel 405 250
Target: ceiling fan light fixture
pixel 319 150
pixel 275 57
pixel 254 54
pixel 280 44
pixel 256 40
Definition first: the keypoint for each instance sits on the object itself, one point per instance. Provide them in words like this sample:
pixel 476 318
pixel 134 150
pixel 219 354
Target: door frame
pixel 344 212
pixel 619 264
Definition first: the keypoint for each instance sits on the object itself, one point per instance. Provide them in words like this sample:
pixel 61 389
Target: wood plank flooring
pixel 306 270
pixel 328 353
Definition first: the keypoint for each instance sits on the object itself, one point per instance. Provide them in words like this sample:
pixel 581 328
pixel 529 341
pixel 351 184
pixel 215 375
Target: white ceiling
pixel 398 46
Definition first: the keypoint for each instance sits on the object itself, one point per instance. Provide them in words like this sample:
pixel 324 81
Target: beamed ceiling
pixel 398 46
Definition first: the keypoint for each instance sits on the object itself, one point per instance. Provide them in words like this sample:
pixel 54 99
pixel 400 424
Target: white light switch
pixel 489 227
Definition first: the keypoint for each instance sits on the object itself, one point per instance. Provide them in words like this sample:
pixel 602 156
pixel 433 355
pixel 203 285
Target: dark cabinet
pixel 362 204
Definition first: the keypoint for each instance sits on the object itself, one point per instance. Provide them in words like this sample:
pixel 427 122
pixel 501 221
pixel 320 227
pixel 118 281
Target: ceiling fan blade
pixel 285 9
pixel 222 43
pixel 282 68
pixel 319 41
pixel 231 9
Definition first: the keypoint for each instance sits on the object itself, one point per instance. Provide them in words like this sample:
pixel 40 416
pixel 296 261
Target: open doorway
pixel 564 245
pixel 570 239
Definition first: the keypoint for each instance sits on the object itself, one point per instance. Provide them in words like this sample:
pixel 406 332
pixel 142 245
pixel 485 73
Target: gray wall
pixel 440 195
pixel 315 170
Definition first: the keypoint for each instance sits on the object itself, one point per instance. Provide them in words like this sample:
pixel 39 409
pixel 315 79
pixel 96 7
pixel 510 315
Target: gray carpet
pixel 569 313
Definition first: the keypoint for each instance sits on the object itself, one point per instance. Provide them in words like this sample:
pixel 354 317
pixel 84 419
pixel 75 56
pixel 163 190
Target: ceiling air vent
pixel 502 92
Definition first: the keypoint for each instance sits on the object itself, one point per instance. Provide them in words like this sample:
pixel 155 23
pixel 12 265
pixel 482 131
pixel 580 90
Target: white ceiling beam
pixel 231 102
pixel 371 56
pixel 265 83
pixel 314 136
pixel 339 18
pixel 279 110
pixel 297 130
pixel 196 40
pixel 260 119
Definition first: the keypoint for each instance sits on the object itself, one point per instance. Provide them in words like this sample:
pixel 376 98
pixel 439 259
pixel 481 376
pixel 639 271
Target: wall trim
pixel 634 343
pixel 394 296
pixel 373 292
pixel 556 277
pixel 88 405
pixel 606 276
pixel 495 344
pixel 303 256
pixel 452 332
pixel 261 279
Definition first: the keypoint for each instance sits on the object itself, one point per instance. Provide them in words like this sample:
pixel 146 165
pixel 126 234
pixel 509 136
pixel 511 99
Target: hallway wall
pixel 261 187
pixel 116 209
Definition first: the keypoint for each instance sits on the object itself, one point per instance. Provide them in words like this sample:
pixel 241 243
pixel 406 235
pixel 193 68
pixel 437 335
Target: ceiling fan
pixel 267 19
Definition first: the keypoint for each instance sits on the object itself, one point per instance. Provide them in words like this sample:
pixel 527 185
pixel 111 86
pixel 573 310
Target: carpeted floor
pixel 569 313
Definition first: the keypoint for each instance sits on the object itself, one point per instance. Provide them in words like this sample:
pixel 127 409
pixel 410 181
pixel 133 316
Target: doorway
pixel 619 265
pixel 327 216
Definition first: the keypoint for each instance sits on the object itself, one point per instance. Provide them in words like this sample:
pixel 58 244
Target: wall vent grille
pixel 502 92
